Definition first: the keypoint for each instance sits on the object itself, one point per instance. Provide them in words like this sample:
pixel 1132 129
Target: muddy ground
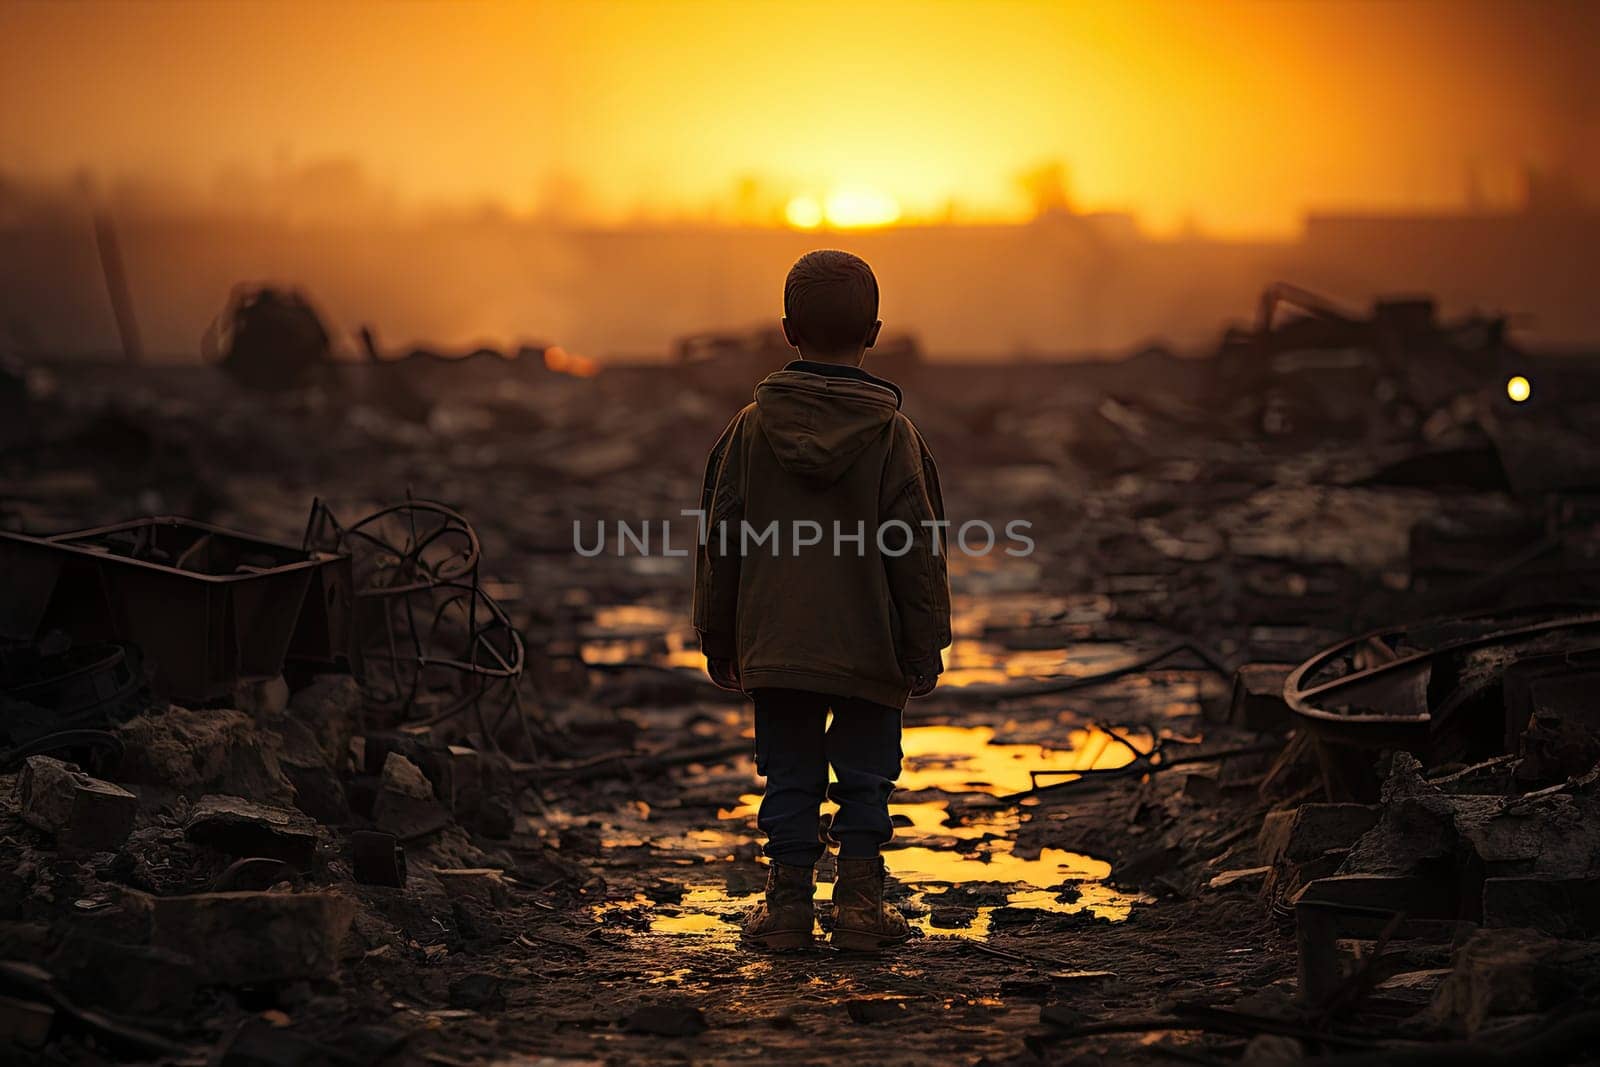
pixel 1159 515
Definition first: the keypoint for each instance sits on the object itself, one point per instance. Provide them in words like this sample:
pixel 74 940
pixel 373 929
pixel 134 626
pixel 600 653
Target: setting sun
pixel 855 207
pixel 804 213
pixel 849 208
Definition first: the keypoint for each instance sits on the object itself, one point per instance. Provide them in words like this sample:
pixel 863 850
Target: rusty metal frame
pixel 1311 701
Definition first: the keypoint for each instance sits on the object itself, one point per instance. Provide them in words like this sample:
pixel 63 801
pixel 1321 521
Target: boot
pixel 783 919
pixel 862 921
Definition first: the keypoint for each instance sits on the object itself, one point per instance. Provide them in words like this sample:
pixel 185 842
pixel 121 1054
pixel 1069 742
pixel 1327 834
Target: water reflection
pixel 939 857
pixel 965 759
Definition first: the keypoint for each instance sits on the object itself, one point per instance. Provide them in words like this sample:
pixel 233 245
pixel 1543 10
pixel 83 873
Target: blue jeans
pixel 795 745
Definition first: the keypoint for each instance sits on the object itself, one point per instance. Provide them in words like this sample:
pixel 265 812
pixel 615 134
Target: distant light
pixel 1518 388
pixel 804 213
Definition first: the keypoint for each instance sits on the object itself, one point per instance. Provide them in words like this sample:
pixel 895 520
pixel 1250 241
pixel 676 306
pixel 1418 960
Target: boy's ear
pixel 789 333
pixel 872 334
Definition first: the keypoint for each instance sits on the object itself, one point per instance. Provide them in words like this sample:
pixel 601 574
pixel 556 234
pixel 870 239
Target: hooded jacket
pixel 823 562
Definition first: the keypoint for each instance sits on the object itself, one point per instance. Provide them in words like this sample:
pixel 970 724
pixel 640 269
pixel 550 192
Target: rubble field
pixel 1277 746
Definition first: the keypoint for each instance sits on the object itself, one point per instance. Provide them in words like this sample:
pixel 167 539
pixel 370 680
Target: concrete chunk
pixel 481 885
pixel 80 811
pixel 241 827
pixel 1257 701
pixel 405 804
pixel 1312 830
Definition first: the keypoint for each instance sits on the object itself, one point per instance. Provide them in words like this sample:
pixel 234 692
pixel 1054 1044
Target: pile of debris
pixel 1455 900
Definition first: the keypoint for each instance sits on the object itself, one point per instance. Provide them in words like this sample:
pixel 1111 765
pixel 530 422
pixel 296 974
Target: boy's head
pixel 830 307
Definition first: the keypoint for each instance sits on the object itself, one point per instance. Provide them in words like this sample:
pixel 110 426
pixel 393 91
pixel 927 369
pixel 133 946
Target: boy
pixel 822 587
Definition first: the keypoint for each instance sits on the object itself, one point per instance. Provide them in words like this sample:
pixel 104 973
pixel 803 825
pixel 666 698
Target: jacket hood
pixel 818 423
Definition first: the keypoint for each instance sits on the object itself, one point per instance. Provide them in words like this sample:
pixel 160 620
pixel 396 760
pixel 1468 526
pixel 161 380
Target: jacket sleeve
pixel 919 581
pixel 716 564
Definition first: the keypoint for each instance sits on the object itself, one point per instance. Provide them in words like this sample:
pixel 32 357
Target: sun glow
pixel 852 207
pixel 804 213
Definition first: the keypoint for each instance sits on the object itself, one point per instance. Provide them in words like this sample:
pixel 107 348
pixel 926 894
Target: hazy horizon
pixel 1234 119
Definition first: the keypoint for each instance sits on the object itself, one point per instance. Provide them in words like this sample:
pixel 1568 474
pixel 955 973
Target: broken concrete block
pixel 1309 842
pixel 484 886
pixel 1313 830
pixel 377 858
pixel 81 812
pixel 240 827
pixel 1257 700
pixel 216 750
pixel 248 938
pixel 405 804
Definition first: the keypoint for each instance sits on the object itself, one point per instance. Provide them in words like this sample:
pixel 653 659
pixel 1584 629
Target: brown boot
pixel 783 919
pixel 862 921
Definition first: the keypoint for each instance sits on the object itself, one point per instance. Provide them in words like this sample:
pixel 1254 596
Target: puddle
pixel 966 759
pixel 971 660
pixel 938 861
pixel 640 633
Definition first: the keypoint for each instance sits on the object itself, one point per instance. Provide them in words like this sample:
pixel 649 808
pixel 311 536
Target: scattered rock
pixel 405 804
pixel 79 811
pixel 202 751
pixel 240 827
pixel 483 886
pixel 1256 702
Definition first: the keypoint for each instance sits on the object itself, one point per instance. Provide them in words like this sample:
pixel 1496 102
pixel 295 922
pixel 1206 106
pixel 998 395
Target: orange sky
pixel 1238 116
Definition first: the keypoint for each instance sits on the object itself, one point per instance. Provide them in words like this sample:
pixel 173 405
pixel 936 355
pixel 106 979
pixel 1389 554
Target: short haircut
pixel 831 300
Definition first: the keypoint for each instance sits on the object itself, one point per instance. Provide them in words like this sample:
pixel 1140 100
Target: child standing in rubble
pixel 821 587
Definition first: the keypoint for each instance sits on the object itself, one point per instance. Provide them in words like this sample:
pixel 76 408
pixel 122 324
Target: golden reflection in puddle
pixel 924 866
pixel 670 977
pixel 641 632
pixel 970 660
pixel 964 759
pixel 957 760
pixel 636 617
